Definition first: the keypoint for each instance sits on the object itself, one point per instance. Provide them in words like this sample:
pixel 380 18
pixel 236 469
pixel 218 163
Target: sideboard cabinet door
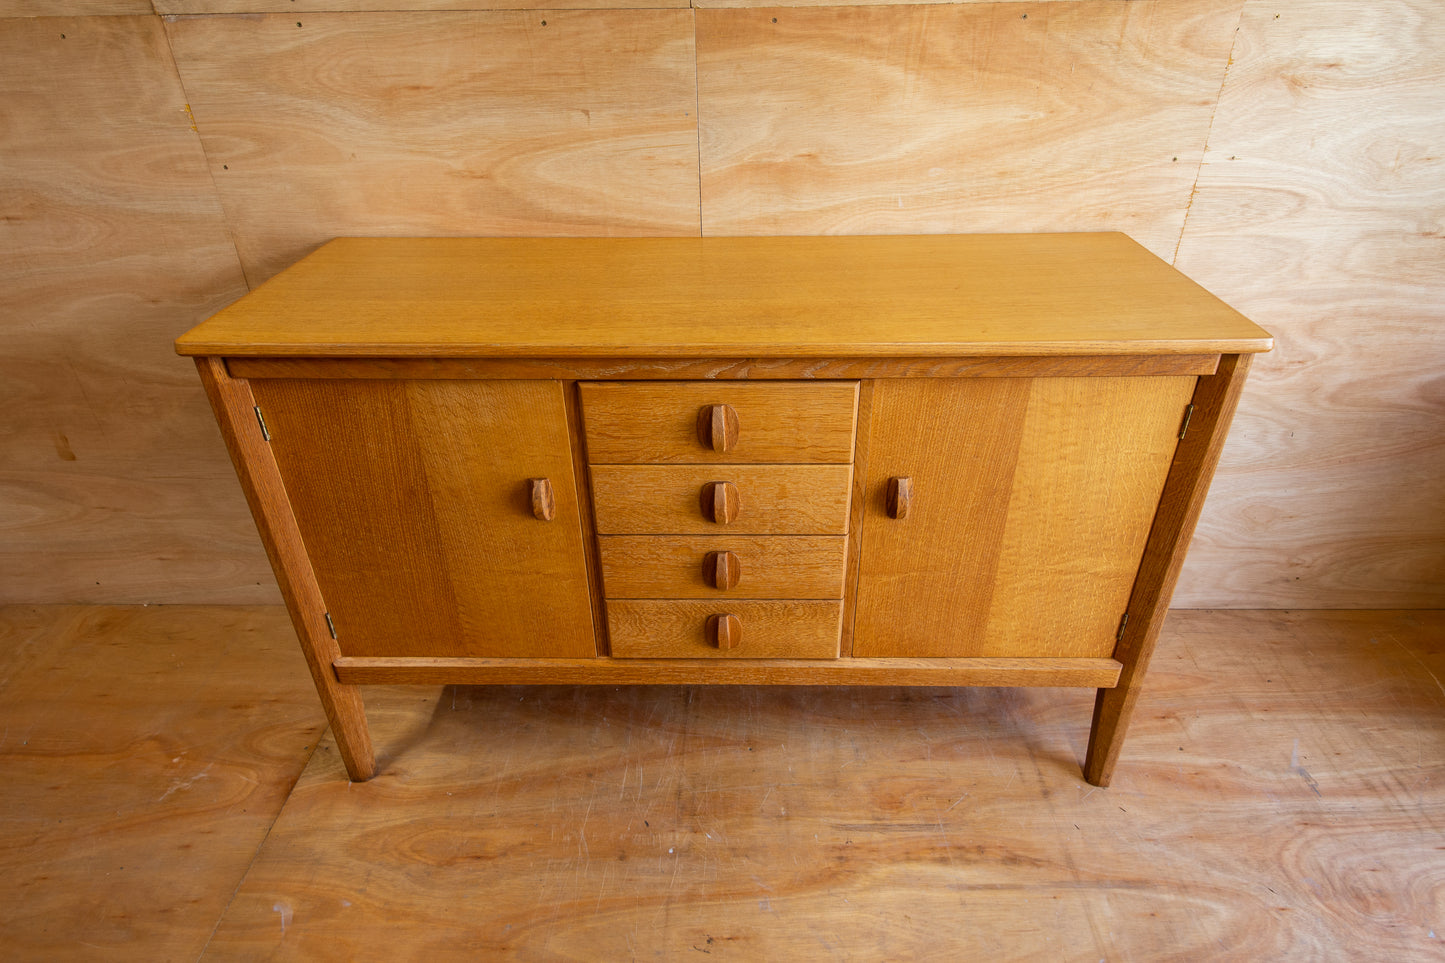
pixel 1007 516
pixel 424 507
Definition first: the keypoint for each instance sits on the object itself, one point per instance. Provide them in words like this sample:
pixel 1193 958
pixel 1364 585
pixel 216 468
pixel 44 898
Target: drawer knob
pixel 544 504
pixel 717 427
pixel 721 570
pixel 900 494
pixel 724 631
pixel 719 502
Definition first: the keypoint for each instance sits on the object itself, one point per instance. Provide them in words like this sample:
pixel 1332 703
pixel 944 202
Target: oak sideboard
pixel 931 460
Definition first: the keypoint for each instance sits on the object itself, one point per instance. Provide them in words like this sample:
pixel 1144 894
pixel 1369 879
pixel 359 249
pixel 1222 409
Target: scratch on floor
pixel 1302 772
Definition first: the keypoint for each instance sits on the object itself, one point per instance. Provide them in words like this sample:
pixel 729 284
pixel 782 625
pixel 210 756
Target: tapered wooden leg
pixel 1215 398
pixel 261 481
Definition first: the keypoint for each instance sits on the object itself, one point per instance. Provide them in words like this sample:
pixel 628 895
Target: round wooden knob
pixel 721 570
pixel 544 504
pixel 717 427
pixel 724 631
pixel 900 497
pixel 719 502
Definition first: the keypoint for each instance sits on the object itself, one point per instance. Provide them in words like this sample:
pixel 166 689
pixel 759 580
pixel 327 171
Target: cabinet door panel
pixel 413 499
pixel 1031 502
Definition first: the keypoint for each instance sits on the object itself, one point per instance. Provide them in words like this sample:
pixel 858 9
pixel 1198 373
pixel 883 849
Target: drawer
pixel 781 422
pixel 766 566
pixel 771 499
pixel 651 629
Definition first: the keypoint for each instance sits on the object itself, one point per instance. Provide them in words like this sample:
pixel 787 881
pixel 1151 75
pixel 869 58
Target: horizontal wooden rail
pixel 722 369
pixel 1093 673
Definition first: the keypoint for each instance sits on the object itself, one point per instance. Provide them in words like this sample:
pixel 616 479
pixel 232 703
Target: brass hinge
pixel 1119 636
pixel 330 625
pixel 260 420
pixel 1188 413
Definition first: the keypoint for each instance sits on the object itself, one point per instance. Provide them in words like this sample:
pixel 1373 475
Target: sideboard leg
pixel 1215 398
pixel 1112 709
pixel 261 481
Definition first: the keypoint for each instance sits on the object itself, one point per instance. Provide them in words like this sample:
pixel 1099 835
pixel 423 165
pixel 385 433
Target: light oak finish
pixel 1030 504
pixel 689 629
pixel 731 671
pixel 763 566
pixel 792 297
pixel 416 503
pixel 761 369
pixel 478 122
pixel 1215 400
pixel 235 409
pixel 952 118
pixel 770 499
pixel 770 422
pixel 555 523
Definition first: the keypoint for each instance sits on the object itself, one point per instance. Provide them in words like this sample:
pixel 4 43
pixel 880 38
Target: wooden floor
pixel 163 796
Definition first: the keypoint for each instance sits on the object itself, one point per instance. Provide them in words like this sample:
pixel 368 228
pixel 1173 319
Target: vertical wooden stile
pixel 260 478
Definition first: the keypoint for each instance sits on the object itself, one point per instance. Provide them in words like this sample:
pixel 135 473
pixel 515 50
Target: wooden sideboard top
pixel 763 297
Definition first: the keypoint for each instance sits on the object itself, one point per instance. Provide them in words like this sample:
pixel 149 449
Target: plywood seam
pixel 205 157
pixel 316 744
pixel 1208 132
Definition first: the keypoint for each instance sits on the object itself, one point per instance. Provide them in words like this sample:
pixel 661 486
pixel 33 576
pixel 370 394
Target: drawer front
pixel 783 422
pixel 650 629
pixel 765 566
pixel 771 499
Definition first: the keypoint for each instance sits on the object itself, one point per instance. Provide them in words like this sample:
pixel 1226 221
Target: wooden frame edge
pixel 654 369
pixel 1093 673
pixel 260 479
pixel 1215 399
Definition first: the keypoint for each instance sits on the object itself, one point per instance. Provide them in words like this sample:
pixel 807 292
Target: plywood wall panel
pixel 1321 214
pixel 113 481
pixel 383 6
pixel 72 8
pixel 497 123
pixel 972 117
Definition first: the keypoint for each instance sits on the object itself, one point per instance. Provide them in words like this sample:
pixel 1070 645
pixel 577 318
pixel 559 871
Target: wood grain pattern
pixel 261 481
pixel 1113 366
pixel 958 118
pixel 146 752
pixel 770 567
pixel 924 583
pixel 1326 165
pixel 777 422
pixel 787 297
pixel 1031 504
pixel 679 629
pixel 1092 462
pixel 1215 400
pixel 735 671
pixel 443 123
pixel 773 499
pixel 391 6
pixel 415 504
pixel 1275 807
pixel 113 483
